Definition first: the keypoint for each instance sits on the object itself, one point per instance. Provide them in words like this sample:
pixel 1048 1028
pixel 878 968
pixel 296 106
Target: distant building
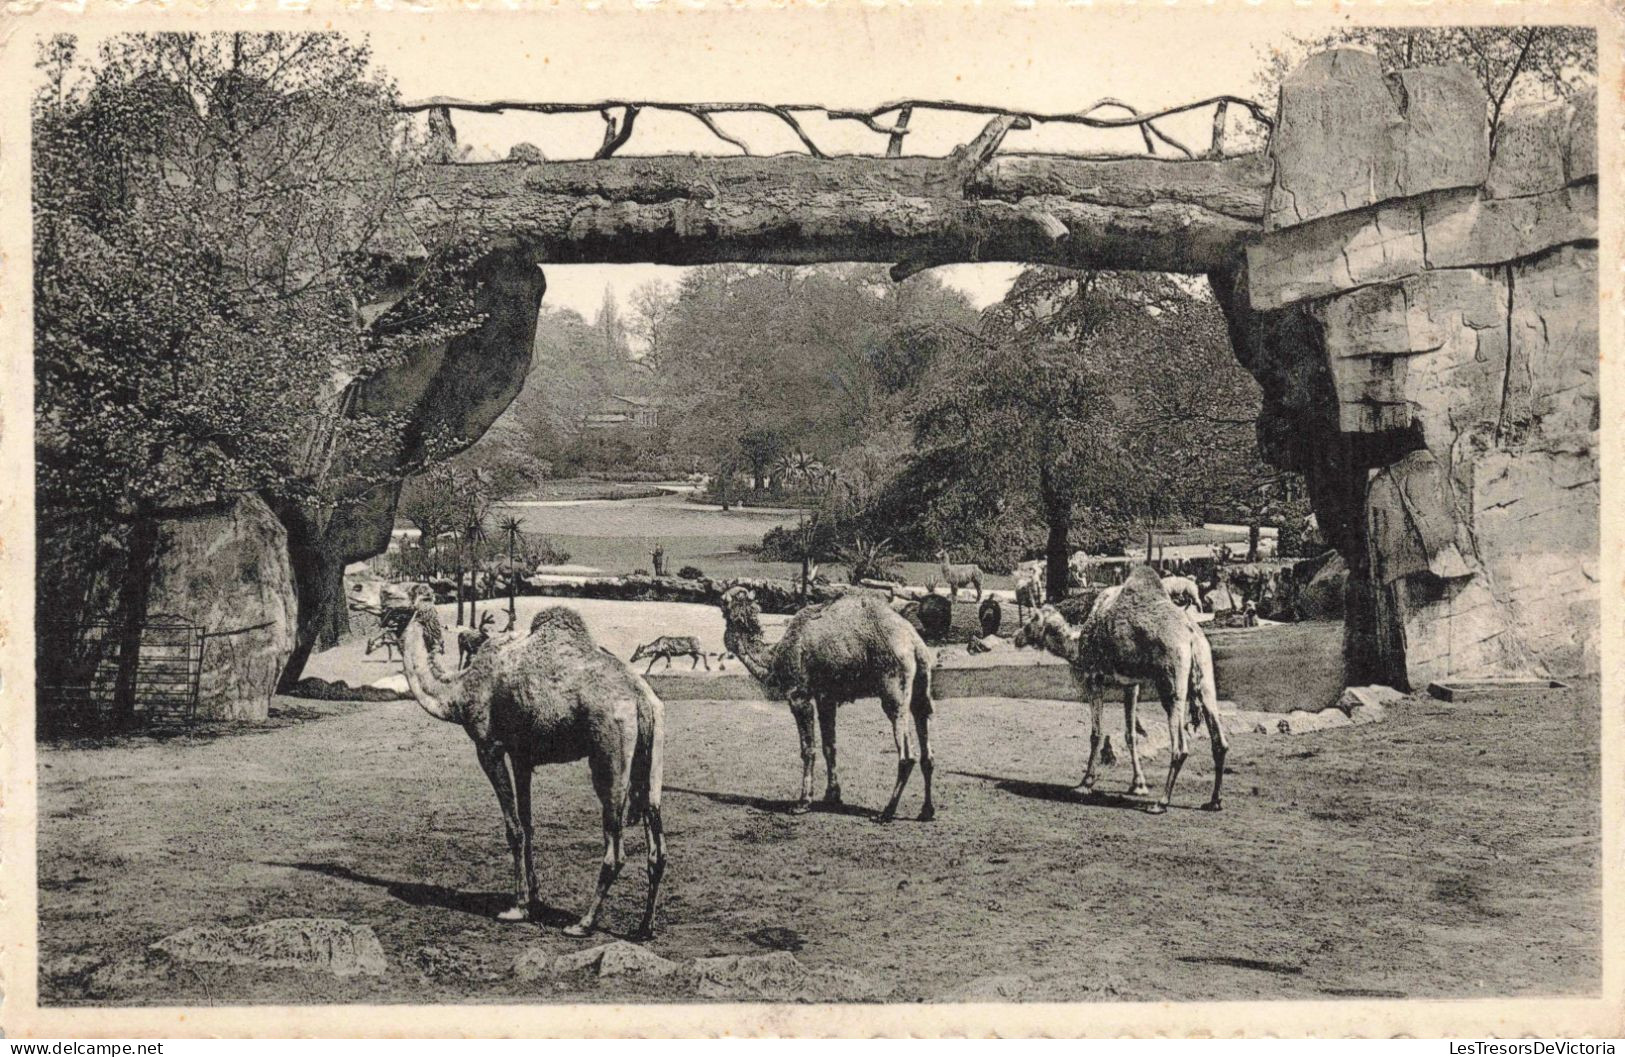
pixel 617 413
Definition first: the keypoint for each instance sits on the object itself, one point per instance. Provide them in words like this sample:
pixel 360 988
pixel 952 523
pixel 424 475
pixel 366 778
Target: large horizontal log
pixel 1129 212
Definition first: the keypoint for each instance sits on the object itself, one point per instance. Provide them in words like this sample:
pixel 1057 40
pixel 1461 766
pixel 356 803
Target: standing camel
pixel 855 646
pixel 1135 635
pixel 552 697
pixel 957 576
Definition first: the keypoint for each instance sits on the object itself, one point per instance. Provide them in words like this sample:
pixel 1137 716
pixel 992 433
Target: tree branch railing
pixel 618 128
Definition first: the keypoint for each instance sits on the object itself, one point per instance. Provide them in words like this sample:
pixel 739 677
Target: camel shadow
pixel 776 807
pixel 1066 794
pixel 480 904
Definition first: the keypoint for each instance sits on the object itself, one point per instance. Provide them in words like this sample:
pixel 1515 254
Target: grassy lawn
pixel 583 488
pixel 1448 852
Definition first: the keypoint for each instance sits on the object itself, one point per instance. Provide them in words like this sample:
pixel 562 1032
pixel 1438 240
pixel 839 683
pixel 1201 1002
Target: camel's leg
pixel 494 763
pixel 905 758
pixel 611 787
pixel 655 840
pixel 922 730
pixel 1173 703
pixel 802 709
pixel 1131 701
pixel 1097 706
pixel 1221 748
pixel 521 788
pixel 826 734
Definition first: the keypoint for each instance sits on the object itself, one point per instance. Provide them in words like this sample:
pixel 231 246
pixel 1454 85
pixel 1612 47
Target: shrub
pixel 690 572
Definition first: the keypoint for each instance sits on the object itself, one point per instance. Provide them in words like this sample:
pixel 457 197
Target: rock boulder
pixel 229 573
pixel 308 944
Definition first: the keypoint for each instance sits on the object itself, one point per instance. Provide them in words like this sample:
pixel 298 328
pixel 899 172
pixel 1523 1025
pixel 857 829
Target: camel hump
pixel 561 620
pixel 1142 578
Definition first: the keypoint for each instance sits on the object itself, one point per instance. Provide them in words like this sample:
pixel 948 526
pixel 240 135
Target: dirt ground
pixel 1452 851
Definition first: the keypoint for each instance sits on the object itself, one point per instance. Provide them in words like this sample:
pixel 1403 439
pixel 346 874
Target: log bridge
pixel 1420 313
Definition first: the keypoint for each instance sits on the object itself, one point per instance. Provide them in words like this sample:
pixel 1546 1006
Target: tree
pixel 1510 63
pixel 765 361
pixel 1023 418
pixel 208 209
pixel 651 316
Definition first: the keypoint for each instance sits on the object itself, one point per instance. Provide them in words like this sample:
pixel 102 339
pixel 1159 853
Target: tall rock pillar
pixel 1423 319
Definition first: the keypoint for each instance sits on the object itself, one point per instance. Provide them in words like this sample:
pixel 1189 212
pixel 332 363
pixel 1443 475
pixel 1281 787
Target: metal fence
pixel 78 682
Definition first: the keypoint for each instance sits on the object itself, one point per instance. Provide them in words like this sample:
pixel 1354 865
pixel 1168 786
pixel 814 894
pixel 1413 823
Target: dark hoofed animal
pixel 669 646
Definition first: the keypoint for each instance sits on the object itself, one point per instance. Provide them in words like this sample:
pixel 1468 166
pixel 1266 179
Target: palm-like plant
pixel 869 561
pixel 511 529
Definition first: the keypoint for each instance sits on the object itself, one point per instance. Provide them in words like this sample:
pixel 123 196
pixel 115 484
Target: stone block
pixel 1349 250
pixel 1343 141
pixel 1544 147
pixel 1413 526
pixel 308 944
pixel 1536 519
pixel 1473 231
pixel 1402 238
pixel 1429 350
pixel 230 574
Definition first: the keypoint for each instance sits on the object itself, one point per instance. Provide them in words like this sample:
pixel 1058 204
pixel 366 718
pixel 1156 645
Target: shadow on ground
pixel 480 904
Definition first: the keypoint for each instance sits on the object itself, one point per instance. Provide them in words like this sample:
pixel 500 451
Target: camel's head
pixel 1046 629
pixel 740 610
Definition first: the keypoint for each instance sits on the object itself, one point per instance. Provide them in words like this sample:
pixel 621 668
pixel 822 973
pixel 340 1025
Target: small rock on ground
pixel 608 959
pixel 1377 697
pixel 1301 722
pixel 308 944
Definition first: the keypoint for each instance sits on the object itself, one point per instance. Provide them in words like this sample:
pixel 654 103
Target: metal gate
pixel 76 688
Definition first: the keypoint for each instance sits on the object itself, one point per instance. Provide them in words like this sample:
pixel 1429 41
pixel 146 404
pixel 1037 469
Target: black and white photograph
pixel 932 512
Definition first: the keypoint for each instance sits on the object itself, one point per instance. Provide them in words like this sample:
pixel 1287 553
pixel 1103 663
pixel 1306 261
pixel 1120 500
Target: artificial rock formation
pixel 228 572
pixel 1423 320
pixel 448 391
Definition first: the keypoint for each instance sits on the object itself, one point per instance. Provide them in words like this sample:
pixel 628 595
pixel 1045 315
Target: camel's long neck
pixel 752 651
pixel 438 694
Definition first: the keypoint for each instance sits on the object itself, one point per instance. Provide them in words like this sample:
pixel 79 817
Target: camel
pixel 958 576
pixel 1135 635
pixel 469 640
pixel 552 697
pixel 855 646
